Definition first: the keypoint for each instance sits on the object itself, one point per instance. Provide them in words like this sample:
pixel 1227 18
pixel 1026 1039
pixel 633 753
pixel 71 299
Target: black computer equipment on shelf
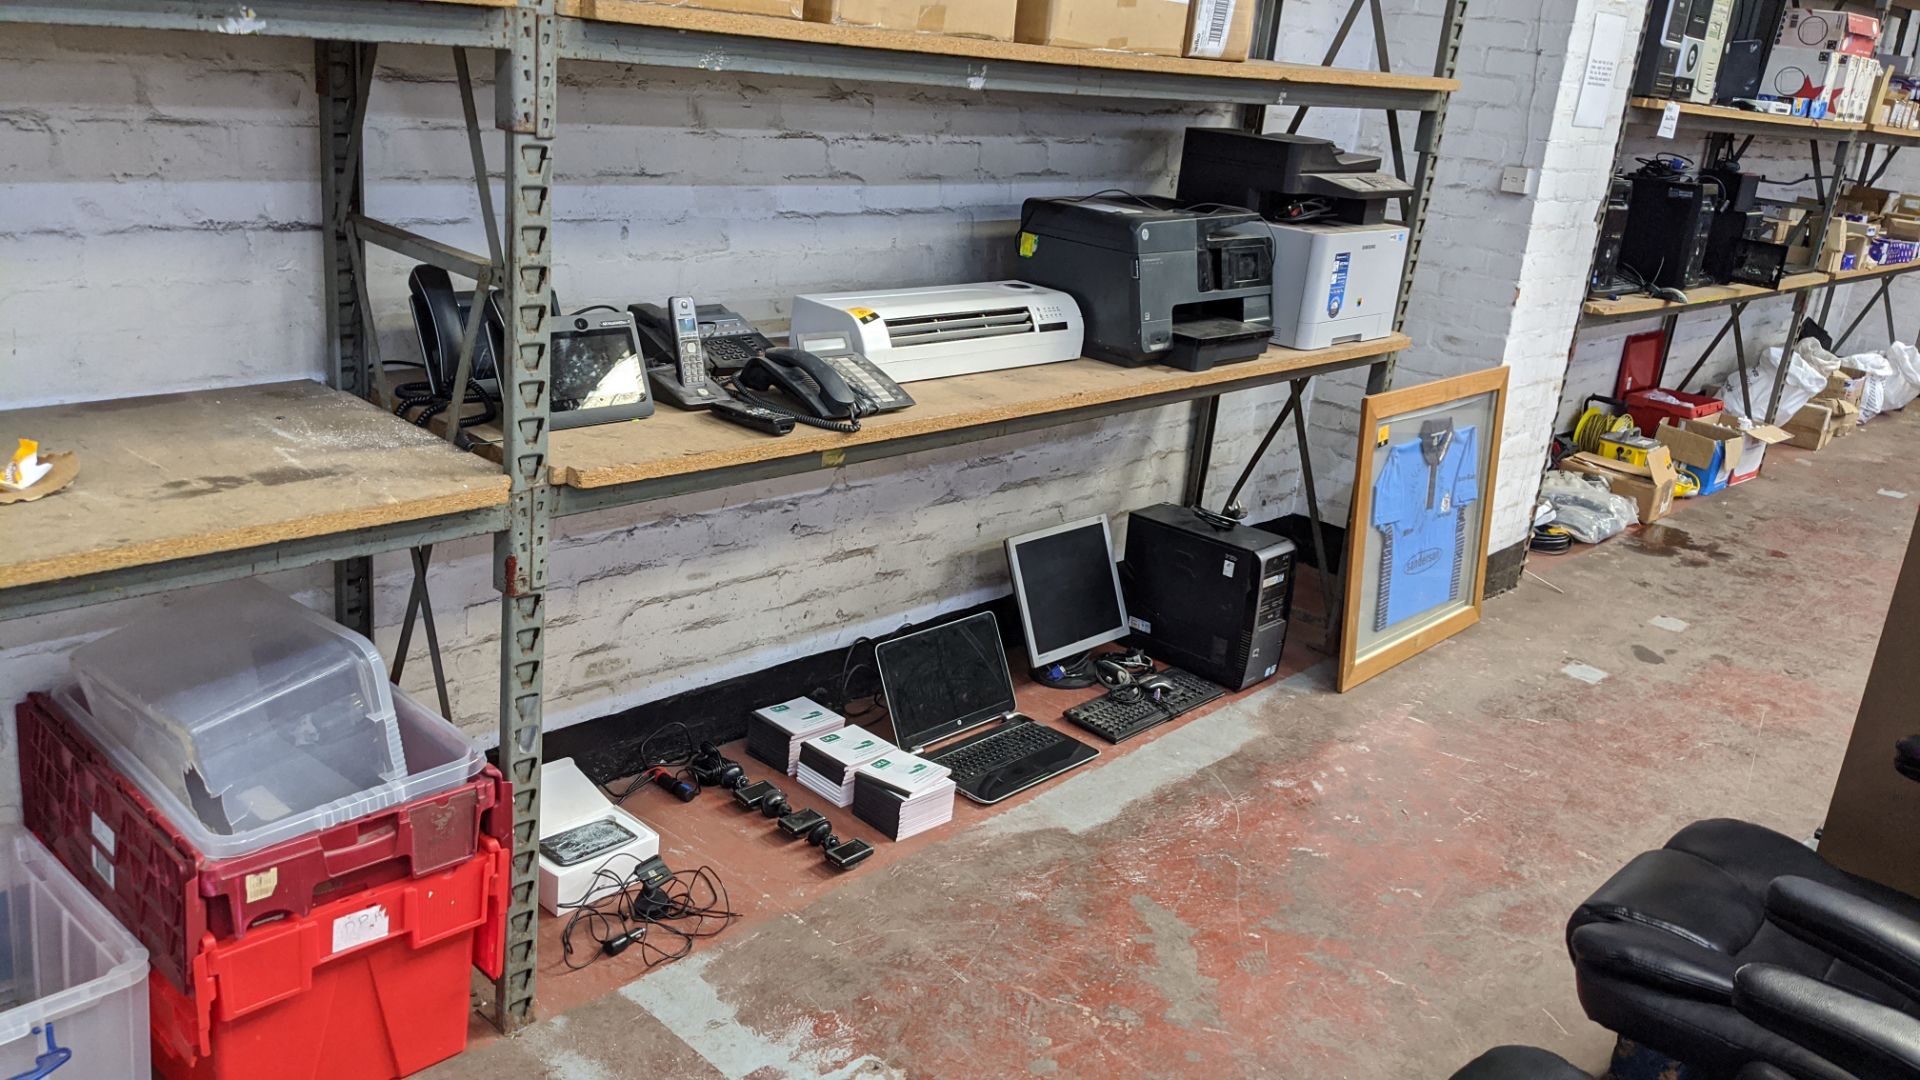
pixel 1208 595
pixel 1669 57
pixel 1285 178
pixel 949 679
pixel 1669 225
pixel 1735 256
pixel 1605 279
pixel 1067 588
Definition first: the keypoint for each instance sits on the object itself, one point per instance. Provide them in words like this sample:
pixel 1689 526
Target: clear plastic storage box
pixel 245 706
pixel 441 757
pixel 73 982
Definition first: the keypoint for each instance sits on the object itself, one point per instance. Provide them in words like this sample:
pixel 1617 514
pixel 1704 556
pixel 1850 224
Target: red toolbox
pixel 1647 407
pixel 373 985
pixel 179 903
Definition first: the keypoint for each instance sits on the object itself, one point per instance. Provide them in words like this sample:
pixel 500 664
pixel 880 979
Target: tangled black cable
pixel 658 755
pixel 681 907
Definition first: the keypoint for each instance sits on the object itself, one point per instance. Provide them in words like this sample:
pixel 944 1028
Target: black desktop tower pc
pixel 1605 279
pixel 1664 70
pixel 1668 229
pixel 1214 601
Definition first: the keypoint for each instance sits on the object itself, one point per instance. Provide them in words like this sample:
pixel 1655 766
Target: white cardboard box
pixel 569 800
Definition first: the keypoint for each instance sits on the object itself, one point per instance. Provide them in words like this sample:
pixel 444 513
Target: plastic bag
pixel 1874 394
pixel 1584 506
pixel 1806 376
pixel 1904 386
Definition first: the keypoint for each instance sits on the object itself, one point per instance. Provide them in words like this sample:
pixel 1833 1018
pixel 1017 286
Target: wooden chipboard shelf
pixel 178 476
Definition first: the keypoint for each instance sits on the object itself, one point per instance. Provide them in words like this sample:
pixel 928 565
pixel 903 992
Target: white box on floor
pixel 1335 283
pixel 569 802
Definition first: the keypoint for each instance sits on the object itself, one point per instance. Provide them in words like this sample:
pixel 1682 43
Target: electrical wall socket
pixel 1516 180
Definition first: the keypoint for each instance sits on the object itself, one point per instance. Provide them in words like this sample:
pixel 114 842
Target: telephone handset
pixel 805 380
pixel 440 319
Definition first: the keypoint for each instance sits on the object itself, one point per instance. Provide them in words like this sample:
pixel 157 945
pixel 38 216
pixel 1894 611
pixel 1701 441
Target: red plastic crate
pixel 173 898
pixel 374 985
pixel 1648 412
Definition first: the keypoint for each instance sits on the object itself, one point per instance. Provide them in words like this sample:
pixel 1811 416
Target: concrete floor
pixel 1298 883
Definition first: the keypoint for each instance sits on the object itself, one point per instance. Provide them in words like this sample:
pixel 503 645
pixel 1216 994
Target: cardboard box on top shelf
pixel 1147 26
pixel 1709 451
pixel 1220 29
pixel 1850 32
pixel 1812 427
pixel 1859 199
pixel 780 9
pixel 991 19
pixel 1650 486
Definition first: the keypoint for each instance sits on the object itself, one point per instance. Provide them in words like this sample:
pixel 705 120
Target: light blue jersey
pixel 1418 506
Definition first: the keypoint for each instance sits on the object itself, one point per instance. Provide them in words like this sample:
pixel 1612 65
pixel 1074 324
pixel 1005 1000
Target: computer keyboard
pixel 1162 697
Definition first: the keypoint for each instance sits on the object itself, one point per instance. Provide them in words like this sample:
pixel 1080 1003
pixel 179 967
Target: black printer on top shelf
pixel 1285 178
pixel 1157 282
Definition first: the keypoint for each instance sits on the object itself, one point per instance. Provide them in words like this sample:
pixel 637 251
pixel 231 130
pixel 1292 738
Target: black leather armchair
pixel 1668 950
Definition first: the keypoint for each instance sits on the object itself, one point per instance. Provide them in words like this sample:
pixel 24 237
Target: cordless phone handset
pixel 690 358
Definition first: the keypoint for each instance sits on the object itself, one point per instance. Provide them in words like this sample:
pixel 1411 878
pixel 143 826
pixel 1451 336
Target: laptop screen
pixel 945 679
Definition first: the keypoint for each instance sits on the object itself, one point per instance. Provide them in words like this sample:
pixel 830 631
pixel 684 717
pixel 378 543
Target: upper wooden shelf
pixel 1642 306
pixel 778 46
pixel 1870 272
pixel 1722 118
pixel 683 451
pixel 184 475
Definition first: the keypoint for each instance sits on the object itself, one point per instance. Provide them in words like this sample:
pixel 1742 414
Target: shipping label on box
pixel 1220 29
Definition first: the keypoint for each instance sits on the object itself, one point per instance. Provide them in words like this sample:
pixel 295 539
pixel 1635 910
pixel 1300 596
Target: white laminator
pixel 1335 283
pixel 931 333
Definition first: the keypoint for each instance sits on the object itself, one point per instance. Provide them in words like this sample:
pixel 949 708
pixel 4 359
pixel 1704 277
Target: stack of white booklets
pixel 828 762
pixel 775 733
pixel 902 794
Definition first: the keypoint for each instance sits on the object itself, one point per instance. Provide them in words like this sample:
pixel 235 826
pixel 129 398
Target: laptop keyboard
pixel 997 749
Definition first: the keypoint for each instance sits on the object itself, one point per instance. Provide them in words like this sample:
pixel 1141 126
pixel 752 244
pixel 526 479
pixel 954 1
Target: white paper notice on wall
pixel 1605 61
pixel 1669 120
pixel 359 928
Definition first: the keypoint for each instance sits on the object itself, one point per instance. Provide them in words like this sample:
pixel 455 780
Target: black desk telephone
pixel 775 387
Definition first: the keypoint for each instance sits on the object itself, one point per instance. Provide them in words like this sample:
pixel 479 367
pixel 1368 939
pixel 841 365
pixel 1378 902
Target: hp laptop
pixel 947 680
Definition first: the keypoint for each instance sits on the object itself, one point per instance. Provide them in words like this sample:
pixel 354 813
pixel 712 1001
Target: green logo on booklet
pixel 882 763
pixel 830 738
pixel 780 708
pixel 810 715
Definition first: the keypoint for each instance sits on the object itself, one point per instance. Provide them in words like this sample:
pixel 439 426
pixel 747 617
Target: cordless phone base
pixel 669 389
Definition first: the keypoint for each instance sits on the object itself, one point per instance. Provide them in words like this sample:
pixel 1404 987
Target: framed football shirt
pixel 1419 504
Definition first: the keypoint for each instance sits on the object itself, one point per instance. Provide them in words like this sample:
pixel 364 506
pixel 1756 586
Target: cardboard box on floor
pixel 1753 451
pixel 1846 384
pixel 1147 26
pixel 783 9
pixel 1650 486
pixel 1846 417
pixel 1709 451
pixel 1812 427
pixel 992 19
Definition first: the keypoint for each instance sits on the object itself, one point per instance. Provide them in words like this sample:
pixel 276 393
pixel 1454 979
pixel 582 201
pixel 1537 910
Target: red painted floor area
pixel 1298 883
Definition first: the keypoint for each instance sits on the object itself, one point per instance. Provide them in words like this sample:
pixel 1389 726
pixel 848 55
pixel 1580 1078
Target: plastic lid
pixel 239 681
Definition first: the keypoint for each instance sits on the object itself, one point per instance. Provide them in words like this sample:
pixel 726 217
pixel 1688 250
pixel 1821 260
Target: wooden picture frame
pixel 1412 519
